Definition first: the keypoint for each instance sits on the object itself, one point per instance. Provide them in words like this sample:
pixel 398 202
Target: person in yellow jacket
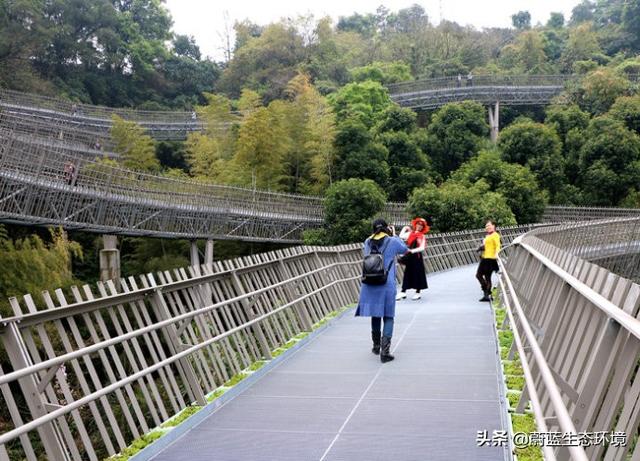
pixel 488 259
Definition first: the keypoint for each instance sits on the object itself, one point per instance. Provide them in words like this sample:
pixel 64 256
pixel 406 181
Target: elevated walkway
pixel 332 399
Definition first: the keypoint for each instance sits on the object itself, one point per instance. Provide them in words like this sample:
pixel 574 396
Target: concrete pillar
pixel 110 259
pixel 494 121
pixel 208 254
pixel 195 256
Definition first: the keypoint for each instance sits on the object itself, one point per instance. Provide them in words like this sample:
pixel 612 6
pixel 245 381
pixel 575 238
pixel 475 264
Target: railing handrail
pixel 480 80
pixel 564 419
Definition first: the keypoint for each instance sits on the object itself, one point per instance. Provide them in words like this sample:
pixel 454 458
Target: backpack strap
pixel 384 247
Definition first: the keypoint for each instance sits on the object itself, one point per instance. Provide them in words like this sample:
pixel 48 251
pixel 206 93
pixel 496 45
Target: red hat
pixel 425 226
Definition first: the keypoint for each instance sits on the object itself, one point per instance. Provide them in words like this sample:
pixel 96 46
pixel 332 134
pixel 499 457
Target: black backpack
pixel 373 270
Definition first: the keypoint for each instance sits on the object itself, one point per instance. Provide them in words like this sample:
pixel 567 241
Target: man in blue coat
pixel 379 301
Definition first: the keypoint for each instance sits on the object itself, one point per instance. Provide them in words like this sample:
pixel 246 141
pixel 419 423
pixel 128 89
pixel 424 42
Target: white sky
pixel 204 19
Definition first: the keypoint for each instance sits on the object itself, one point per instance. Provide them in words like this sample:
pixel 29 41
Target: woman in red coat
pixel 414 274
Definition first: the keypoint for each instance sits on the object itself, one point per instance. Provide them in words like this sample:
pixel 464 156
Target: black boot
pixel 385 346
pixel 375 337
pixel 486 297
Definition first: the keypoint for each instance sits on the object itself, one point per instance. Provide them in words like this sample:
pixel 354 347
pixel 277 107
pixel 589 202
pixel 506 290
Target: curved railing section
pixel 560 214
pixel 36 188
pixel 573 302
pixel 162 125
pixel 512 90
pixel 486 89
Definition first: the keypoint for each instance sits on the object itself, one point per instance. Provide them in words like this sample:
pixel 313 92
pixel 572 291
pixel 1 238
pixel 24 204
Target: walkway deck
pixel 332 399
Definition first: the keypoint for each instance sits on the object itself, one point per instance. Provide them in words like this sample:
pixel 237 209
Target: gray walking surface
pixel 333 400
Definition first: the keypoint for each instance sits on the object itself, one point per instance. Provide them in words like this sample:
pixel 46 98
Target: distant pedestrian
pixel 378 301
pixel 74 110
pixel 69 173
pixel 459 82
pixel 194 116
pixel 97 145
pixel 470 79
pixel 488 259
pixel 414 277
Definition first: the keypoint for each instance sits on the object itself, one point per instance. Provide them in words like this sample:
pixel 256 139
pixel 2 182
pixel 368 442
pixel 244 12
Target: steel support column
pixel 110 259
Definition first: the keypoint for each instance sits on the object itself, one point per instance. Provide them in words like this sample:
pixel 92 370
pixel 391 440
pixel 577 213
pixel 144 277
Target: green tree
pixel 629 67
pixel 583 12
pixel 608 163
pixel 408 166
pixel 364 25
pixel 382 72
pixel 627 110
pixel 350 206
pixel 206 158
pixel 521 20
pixel 364 100
pixel 515 183
pixel 581 45
pixel 146 255
pixel 35 265
pixel 569 122
pixel 136 149
pixel 310 126
pixel 184 45
pixel 358 155
pixel 599 90
pixel 455 134
pixel 527 53
pixel 261 146
pixel 457 206
pixel 631 20
pixel 556 20
pixel 564 118
pixel 536 146
pixel 265 63
pixel 23 34
pixel 396 118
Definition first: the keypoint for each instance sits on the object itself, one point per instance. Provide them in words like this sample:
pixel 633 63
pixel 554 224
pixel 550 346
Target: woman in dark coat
pixel 378 301
pixel 414 273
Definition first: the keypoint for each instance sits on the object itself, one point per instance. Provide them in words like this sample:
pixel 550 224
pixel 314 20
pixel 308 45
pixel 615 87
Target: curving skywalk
pixel 104 199
pixel 175 125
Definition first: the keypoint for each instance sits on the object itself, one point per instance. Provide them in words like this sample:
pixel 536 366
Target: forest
pixel 302 106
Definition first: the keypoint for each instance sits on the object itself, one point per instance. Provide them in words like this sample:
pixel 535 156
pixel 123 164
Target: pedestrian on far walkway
pixel 378 301
pixel 470 79
pixel 459 82
pixel 69 173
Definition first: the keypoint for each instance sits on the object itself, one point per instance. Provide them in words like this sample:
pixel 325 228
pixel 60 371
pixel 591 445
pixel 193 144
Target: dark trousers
pixel 483 274
pixel 388 325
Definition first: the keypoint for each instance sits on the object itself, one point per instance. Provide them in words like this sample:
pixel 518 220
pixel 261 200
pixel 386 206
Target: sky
pixel 206 19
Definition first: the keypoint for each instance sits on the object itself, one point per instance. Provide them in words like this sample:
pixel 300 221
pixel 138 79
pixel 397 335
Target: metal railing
pixel 560 214
pixel 577 333
pixel 88 375
pixel 486 89
pixel 34 189
pixel 487 80
pixel 17 99
pixel 477 80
